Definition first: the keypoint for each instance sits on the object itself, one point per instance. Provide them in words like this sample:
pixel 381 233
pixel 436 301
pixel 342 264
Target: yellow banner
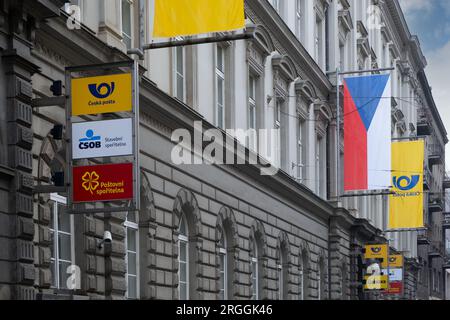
pixel 406 205
pixel 103 94
pixel 189 17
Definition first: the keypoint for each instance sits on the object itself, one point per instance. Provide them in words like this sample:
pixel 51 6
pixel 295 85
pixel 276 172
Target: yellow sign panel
pixel 376 251
pixel 376 282
pixel 189 17
pixel 103 94
pixel 396 261
pixel 406 205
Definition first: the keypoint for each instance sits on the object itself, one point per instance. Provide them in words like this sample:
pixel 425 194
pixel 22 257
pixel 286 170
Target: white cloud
pixel 413 5
pixel 438 73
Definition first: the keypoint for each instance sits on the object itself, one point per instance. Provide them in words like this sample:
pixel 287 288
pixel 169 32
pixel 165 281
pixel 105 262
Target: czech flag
pixel 367 133
pixel 190 17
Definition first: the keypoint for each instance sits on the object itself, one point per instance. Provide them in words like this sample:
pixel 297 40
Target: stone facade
pixel 308 245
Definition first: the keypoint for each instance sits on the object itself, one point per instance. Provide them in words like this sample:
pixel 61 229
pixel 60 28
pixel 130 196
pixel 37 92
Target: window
pixel 300 279
pixel 183 258
pixel 278 107
pixel 254 272
pixel 278 5
pixel 252 102
pixel 127 22
pixel 319 284
pixel 300 149
pixel 132 257
pixel 318 166
pixel 220 87
pixel 61 231
pixel 319 42
pixel 223 283
pixel 179 63
pixel 280 281
pixel 298 18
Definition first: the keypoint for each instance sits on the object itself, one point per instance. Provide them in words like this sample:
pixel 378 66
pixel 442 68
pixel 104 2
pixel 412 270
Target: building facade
pixel 214 231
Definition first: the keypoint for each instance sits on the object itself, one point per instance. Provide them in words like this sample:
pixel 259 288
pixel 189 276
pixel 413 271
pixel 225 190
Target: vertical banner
pixel 406 205
pixel 367 132
pixel 190 17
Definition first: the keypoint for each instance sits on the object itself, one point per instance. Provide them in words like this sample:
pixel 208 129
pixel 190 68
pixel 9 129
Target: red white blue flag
pixel 367 133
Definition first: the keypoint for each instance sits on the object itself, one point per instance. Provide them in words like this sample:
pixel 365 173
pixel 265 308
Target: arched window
pixel 223 262
pixel 183 258
pixel 254 266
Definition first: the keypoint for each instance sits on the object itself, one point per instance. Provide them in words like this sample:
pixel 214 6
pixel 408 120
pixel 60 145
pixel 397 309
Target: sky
pixel 430 20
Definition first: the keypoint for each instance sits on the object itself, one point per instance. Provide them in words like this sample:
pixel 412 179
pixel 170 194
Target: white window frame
pixel 134 226
pixel 255 278
pixel 125 35
pixel 300 149
pixel 252 84
pixel 280 281
pixel 176 72
pixel 298 18
pixel 319 283
pixel 220 77
pixel 60 200
pixel 301 278
pixel 183 239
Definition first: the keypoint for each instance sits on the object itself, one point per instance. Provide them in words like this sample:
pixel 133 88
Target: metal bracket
pixel 49 102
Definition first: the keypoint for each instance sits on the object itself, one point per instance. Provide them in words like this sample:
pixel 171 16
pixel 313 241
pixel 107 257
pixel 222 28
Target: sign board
pixel 378 252
pixel 395 288
pixel 109 138
pixel 376 282
pixel 396 261
pixel 98 89
pixel 103 94
pixel 102 183
pixel 394 274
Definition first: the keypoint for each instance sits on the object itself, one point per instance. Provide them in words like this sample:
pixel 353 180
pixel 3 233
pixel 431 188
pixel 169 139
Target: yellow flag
pixel 189 17
pixel 406 205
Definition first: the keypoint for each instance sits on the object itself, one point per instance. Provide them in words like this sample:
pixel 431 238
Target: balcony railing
pixel 446 220
pixel 436 249
pixel 424 236
pixel 435 204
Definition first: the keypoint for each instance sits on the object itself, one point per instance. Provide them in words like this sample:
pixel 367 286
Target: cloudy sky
pixel 430 20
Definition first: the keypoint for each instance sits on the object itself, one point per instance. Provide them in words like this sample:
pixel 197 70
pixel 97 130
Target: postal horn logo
pixel 90 181
pixel 376 249
pixel 405 183
pixel 392 259
pixel 102 90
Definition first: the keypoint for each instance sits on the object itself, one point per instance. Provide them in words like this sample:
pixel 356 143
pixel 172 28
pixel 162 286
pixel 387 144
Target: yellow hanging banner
pixel 406 205
pixel 190 17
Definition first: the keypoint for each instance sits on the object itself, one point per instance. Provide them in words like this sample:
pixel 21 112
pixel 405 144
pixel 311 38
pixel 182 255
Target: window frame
pixel 134 226
pixel 176 72
pixel 123 33
pixel 183 238
pixel 280 270
pixel 60 200
pixel 220 76
pixel 223 266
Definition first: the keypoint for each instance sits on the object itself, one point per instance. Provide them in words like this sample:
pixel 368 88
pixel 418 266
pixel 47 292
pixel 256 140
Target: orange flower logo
pixel 90 181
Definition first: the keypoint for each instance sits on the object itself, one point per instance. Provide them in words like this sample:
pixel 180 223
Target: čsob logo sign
pixel 405 183
pixel 90 141
pixel 103 90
